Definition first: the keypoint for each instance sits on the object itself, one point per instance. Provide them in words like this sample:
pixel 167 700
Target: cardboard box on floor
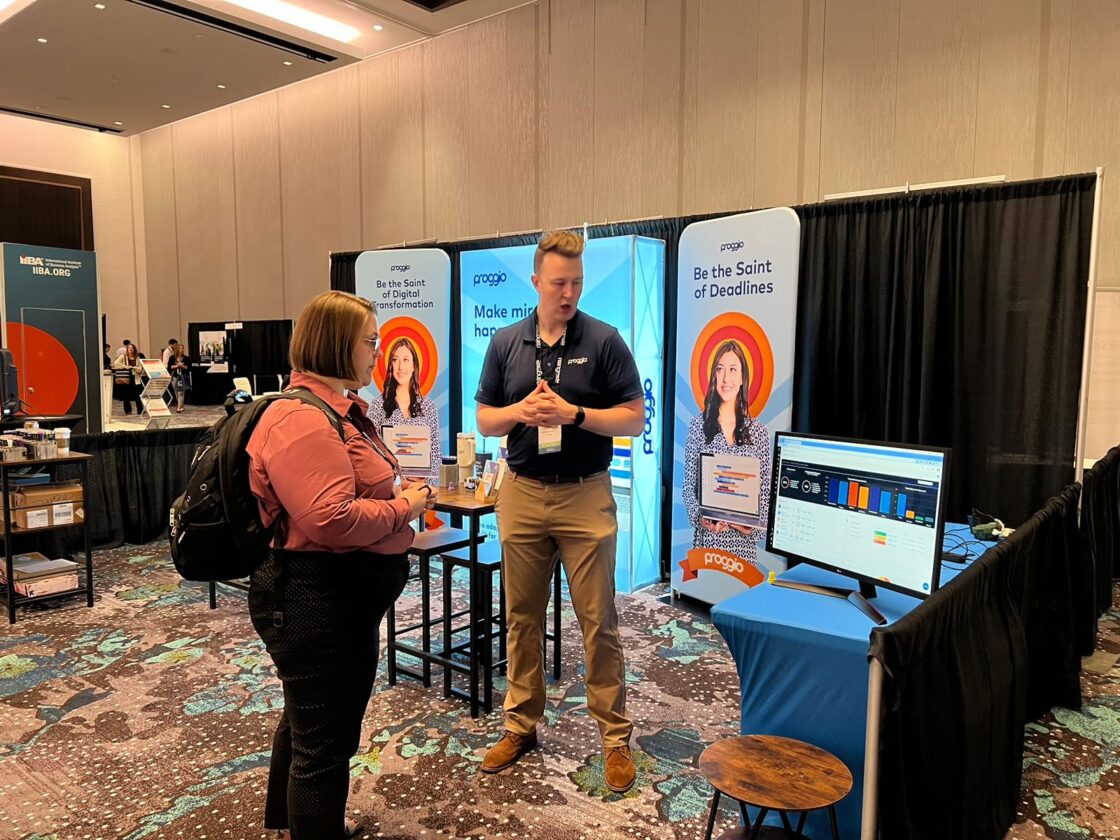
pixel 44 505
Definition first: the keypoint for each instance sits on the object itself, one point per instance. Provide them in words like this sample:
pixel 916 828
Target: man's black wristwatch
pixel 581 415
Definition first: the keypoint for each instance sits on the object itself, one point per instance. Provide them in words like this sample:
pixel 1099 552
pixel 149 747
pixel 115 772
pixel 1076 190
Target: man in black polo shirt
pixel 562 385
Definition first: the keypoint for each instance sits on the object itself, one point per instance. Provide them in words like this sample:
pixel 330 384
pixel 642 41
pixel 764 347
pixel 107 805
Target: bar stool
pixel 775 774
pixel 487 623
pixel 425 546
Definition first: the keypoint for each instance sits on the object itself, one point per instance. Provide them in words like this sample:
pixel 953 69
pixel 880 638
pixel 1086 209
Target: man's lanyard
pixel 559 355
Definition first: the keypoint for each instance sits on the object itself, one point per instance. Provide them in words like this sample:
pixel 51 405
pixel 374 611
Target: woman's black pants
pixel 318 614
pixel 130 394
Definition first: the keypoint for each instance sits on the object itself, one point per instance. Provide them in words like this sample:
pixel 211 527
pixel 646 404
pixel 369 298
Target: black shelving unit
pixel 11 599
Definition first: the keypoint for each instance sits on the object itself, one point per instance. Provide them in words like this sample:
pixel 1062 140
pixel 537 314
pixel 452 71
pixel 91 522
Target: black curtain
pixel 258 348
pixel 951 318
pixel 966 670
pixel 1100 530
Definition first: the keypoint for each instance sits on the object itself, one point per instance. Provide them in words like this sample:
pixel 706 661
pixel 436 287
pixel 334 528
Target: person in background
pixel 562 385
pixel 169 350
pixel 401 402
pixel 179 366
pixel 107 360
pixel 338 561
pixel 121 349
pixel 128 376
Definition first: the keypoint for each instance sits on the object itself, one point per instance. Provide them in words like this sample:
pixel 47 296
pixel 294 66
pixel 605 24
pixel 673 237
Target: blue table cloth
pixel 802 662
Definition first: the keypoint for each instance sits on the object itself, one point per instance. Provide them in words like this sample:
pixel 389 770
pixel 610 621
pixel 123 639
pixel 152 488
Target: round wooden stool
pixel 775 774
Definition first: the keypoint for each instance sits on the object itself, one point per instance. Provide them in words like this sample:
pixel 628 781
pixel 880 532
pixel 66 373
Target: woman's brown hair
pixel 326 332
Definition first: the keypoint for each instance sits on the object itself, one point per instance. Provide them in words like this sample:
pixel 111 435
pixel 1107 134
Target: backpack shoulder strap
pixel 304 395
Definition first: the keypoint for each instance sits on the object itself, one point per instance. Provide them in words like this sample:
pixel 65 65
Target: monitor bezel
pixel 935 580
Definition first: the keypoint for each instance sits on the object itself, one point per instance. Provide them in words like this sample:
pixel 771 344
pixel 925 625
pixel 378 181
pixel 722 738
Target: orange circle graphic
pixel 752 339
pixel 428 362
pixel 44 363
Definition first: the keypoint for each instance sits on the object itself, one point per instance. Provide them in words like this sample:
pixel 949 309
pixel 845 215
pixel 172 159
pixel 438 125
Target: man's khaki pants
pixel 535 521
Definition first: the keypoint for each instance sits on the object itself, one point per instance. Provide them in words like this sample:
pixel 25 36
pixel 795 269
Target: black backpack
pixel 216 529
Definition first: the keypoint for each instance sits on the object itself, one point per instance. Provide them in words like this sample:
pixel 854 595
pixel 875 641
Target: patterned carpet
pixel 1071 772
pixel 150 716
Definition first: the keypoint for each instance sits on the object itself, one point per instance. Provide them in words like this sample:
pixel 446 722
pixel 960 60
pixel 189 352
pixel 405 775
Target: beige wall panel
pixel 1093 137
pixel 569 172
pixel 544 40
pixel 320 185
pixel 858 101
pixel 446 136
pixel 256 167
pixel 1103 426
pixel 690 103
pixel 617 95
pixel 724 128
pixel 381 174
pixel 662 74
pixel 133 296
pixel 938 66
pixel 778 147
pixel 160 237
pixel 488 145
pixel 410 141
pixel 1007 125
pixel 813 70
pixel 1050 154
pixel 522 38
pixel 205 219
pixel 502 123
pixel 392 156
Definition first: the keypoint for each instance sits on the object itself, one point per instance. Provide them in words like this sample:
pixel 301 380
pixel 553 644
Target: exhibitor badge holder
pixel 159 415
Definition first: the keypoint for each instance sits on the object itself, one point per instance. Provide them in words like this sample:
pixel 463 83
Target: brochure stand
pixel 159 415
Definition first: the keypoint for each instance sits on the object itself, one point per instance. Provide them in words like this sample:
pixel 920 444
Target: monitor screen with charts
pixel 729 488
pixel 872 511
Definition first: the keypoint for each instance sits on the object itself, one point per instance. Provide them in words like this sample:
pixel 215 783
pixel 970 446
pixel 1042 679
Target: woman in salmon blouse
pixel 338 562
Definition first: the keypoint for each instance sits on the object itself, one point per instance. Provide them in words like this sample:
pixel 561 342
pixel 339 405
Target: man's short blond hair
pixel 326 333
pixel 562 242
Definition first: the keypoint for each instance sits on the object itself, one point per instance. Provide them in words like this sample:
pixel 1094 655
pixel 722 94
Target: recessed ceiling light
pixel 221 87
pixel 41 40
pixel 377 27
pixel 99 5
pixel 117 122
pixel 287 64
pixel 165 106
pixel 290 13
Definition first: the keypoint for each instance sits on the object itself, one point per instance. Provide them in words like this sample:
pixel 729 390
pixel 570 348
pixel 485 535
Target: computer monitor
pixel 872 511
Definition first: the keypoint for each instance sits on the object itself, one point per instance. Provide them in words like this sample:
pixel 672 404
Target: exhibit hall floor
pixel 151 716
pixel 193 415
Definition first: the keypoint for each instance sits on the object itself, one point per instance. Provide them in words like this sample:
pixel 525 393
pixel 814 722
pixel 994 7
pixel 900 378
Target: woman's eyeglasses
pixel 372 342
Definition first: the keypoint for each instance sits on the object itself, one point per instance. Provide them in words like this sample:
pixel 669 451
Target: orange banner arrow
pixel 714 560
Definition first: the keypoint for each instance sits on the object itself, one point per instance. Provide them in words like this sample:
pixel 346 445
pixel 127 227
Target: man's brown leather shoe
pixel 618 769
pixel 509 748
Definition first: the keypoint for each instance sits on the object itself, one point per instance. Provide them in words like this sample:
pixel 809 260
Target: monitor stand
pixel 857 599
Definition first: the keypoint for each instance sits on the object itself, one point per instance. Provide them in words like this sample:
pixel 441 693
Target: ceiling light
pixel 165 106
pixel 41 40
pixel 287 64
pixel 221 87
pixel 118 122
pixel 99 5
pixel 294 15
pixel 377 27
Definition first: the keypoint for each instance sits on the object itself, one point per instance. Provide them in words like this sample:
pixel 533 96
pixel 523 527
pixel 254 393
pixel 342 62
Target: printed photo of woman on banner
pixel 725 427
pixel 736 319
